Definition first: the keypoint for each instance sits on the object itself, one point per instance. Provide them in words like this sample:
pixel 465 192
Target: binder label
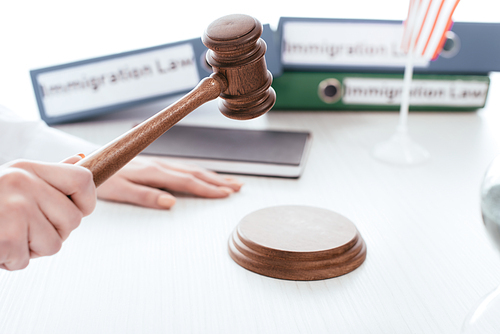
pixel 344 44
pixel 118 80
pixel 460 93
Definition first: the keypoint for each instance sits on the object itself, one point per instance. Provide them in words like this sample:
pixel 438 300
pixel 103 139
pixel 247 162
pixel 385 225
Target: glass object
pixel 400 149
pixel 485 317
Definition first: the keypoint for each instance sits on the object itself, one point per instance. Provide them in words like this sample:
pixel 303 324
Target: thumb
pixel 73 159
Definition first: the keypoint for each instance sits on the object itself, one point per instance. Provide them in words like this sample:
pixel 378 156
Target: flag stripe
pixel 443 40
pixel 423 22
pixel 433 27
pixel 449 24
pixel 408 25
pixel 429 20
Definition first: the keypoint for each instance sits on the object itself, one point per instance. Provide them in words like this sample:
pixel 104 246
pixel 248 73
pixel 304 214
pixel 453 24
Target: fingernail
pixel 81 155
pixel 236 184
pixel 166 201
pixel 227 190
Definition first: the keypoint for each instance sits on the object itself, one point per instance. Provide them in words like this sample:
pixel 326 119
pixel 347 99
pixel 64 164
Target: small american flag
pixel 427 24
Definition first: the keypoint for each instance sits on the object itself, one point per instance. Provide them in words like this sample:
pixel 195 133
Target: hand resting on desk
pixel 41 203
pixel 141 182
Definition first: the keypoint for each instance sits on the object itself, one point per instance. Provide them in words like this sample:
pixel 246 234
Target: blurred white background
pixel 40 33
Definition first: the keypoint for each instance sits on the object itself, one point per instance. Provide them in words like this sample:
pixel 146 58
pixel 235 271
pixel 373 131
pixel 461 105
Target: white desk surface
pixel 128 269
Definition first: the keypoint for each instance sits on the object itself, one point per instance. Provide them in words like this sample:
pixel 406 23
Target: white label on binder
pixel 344 44
pixel 463 93
pixel 118 80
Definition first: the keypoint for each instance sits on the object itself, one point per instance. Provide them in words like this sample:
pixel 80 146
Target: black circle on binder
pixel 330 90
pixel 451 45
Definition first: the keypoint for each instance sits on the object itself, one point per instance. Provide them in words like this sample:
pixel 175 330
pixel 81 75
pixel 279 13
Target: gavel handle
pixel 106 161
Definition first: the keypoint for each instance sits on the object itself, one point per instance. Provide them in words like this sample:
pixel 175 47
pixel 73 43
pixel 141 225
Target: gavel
pixel 240 78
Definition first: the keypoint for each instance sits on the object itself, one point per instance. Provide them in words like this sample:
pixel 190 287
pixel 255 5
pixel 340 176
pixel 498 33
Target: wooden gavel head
pixel 237 53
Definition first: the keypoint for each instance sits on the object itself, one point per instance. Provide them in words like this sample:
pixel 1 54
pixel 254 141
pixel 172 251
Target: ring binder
pixel 355 45
pixel 376 91
pixel 92 87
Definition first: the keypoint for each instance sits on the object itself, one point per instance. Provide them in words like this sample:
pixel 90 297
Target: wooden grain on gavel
pixel 240 78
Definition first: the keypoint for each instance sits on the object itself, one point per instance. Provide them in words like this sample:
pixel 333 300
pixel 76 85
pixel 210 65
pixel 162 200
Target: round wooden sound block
pixel 297 243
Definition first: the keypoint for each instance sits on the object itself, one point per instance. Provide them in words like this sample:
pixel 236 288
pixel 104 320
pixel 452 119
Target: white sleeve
pixel 34 140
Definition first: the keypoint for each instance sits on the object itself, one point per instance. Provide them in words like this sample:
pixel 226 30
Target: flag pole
pixel 400 149
pixel 408 72
pixel 405 94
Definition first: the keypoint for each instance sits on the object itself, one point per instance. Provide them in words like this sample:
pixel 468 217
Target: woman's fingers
pixel 120 189
pixel 202 174
pixel 74 181
pixel 43 237
pixel 14 248
pixel 40 204
pixel 73 159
